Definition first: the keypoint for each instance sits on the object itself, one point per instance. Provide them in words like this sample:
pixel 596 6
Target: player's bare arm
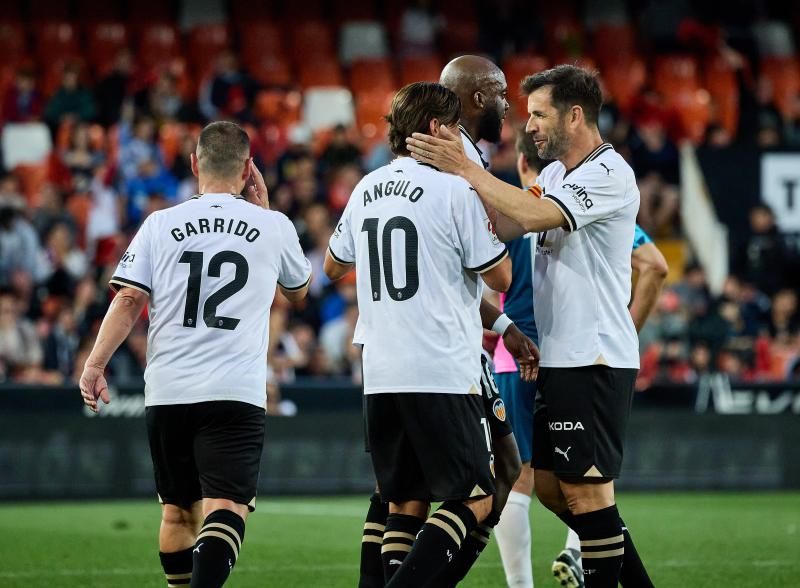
pixel 649 262
pixel 520 346
pixel 121 317
pixel 335 270
pixel 498 277
pixel 446 152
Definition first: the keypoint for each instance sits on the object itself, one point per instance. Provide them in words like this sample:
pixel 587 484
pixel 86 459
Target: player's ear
pixel 576 115
pixel 246 170
pixel 522 164
pixel 479 100
pixel 433 127
pixel 195 167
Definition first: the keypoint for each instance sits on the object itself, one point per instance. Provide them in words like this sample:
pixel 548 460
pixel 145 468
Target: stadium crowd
pixel 122 139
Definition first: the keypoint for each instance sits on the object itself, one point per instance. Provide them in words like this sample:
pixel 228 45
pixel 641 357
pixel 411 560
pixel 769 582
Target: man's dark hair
pixel 527 146
pixel 571 85
pixel 414 106
pixel 222 149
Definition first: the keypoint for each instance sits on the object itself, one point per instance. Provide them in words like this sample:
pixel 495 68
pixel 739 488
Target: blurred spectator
pixel 783 318
pixel 20 348
pixel 112 90
pixel 22 101
pixel 230 91
pixel 61 345
pixel 161 101
pixel 67 263
pixel 50 211
pixel 335 336
pixel 655 162
pixel 80 158
pixel 419 28
pixel 341 151
pixel 71 100
pixel 21 259
pixel 700 360
pixel 764 259
pixel 147 182
pixel 182 168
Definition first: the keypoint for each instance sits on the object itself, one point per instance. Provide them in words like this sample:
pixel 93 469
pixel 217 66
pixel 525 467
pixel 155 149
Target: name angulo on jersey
pixel 580 196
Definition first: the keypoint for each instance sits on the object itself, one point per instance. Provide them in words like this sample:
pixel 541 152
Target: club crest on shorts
pixel 499 409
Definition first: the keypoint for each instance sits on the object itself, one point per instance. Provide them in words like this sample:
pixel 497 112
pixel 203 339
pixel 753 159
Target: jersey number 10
pixel 195 261
pixel 401 223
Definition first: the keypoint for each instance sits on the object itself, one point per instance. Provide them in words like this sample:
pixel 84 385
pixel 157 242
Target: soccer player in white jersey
pixel 208 270
pixel 589 349
pixel 419 240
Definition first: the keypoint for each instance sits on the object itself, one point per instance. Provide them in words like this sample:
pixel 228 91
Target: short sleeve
pixel 295 270
pixel 640 237
pixel 135 269
pixel 588 195
pixel 342 245
pixel 475 237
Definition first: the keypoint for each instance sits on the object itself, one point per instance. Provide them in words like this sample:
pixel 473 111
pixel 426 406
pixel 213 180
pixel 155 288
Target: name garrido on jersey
pixel 393 188
pixel 204 225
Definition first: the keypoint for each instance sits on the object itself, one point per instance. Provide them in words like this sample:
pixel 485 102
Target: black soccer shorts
pixel 493 404
pixel 580 418
pixel 206 450
pixel 430 447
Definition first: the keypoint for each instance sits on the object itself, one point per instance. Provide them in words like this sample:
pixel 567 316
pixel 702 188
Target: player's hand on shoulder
pixel 445 152
pixel 93 385
pixel 255 189
pixel 524 351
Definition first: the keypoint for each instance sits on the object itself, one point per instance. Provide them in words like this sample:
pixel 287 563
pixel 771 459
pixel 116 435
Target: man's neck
pixel 218 187
pixel 471 127
pixel 582 145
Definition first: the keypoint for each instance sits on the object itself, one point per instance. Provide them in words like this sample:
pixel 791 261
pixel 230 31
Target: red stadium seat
pixel 10 11
pixel 55 39
pixel 461 36
pixel 243 12
pixel 784 74
pixel 270 70
pixel 564 39
pixel 720 81
pixel 12 41
pixel 675 74
pixel 623 78
pixel 158 43
pixel 373 74
pixel 147 12
pixel 32 176
pixel 311 40
pixel 296 13
pixel 320 72
pixel 457 10
pixel 47 10
pixel 258 39
pixel 371 108
pixel 206 42
pixel 613 43
pixel 517 68
pixel 53 71
pixel 104 41
pixel 354 10
pixel 278 106
pixel 694 113
pixel 94 11
pixel 420 69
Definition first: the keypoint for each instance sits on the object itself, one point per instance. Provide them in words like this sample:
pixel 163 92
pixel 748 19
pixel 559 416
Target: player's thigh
pixel 170 434
pixel 394 459
pixel 541 443
pixel 519 397
pixel 588 414
pixel 451 438
pixel 228 446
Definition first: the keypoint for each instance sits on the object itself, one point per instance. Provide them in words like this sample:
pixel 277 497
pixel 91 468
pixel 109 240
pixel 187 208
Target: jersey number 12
pixel 195 261
pixel 401 223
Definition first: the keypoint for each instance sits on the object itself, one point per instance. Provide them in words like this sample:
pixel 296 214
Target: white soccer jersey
pixel 210 266
pixel 471 148
pixel 419 239
pixel 582 282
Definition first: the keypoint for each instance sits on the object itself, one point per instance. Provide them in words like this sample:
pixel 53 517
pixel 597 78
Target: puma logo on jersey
pixel 564 453
pixel 608 169
pixel 216 206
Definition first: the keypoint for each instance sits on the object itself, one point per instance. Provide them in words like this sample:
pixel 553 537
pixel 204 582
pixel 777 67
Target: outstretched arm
pixel 446 152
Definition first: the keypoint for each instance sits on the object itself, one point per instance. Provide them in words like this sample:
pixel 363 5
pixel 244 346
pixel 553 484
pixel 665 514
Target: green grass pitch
pixel 692 540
